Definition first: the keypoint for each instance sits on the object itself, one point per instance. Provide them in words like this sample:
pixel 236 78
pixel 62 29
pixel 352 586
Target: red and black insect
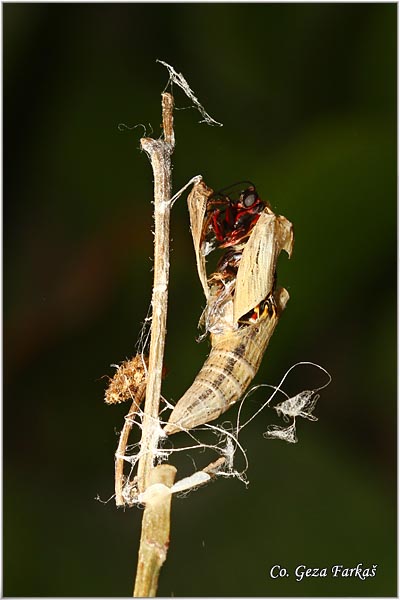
pixel 229 221
pixel 230 217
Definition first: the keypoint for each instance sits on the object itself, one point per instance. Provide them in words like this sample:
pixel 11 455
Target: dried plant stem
pixel 123 441
pixel 155 531
pixel 156 519
pixel 159 152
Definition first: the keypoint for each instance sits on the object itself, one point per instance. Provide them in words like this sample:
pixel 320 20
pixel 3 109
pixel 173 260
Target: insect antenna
pixel 228 187
pixel 231 187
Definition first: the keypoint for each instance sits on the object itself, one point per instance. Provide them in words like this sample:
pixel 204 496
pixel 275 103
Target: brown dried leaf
pixel 197 203
pixel 255 277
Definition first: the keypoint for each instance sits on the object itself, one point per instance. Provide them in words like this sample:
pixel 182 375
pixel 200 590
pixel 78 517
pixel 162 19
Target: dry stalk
pixel 154 540
pixel 159 152
pixel 122 444
pixel 156 480
pixel 129 382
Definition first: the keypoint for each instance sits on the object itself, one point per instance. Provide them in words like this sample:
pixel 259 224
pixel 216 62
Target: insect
pixel 231 218
pixel 243 303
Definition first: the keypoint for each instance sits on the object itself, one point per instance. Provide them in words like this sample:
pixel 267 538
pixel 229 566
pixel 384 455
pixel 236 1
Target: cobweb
pixel 180 81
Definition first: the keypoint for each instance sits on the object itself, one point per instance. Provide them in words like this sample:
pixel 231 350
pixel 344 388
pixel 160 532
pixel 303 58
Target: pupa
pixel 243 303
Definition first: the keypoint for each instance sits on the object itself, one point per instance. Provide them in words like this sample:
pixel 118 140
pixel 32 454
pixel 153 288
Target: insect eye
pixel 249 199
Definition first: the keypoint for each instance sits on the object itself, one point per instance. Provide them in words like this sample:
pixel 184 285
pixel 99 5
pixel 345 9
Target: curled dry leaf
pixel 197 203
pixel 256 273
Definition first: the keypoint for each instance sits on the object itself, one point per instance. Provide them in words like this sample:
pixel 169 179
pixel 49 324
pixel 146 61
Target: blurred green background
pixel 307 95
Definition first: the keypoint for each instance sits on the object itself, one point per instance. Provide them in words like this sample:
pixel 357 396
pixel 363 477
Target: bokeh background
pixel 307 96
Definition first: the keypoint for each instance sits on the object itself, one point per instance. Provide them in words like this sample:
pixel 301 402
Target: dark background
pixel 307 95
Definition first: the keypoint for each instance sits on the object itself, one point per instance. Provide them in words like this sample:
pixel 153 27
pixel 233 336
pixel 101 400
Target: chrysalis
pixel 243 306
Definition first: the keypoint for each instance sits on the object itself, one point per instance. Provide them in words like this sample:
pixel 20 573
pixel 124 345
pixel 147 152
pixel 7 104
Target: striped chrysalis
pixel 243 305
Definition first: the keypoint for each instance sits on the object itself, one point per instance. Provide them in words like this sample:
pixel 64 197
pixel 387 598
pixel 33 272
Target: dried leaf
pixel 197 203
pixel 255 277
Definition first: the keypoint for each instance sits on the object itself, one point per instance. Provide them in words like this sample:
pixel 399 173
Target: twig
pixel 153 483
pixel 123 441
pixel 128 383
pixel 155 531
pixel 156 525
pixel 159 152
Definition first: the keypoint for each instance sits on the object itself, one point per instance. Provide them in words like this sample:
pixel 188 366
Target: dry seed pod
pixel 128 382
pixel 233 362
